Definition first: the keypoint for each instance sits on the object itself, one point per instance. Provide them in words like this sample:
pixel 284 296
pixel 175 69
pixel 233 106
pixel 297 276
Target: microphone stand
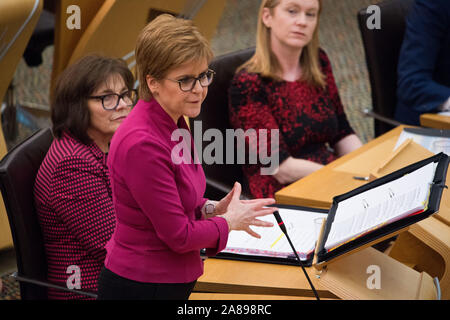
pixel 284 230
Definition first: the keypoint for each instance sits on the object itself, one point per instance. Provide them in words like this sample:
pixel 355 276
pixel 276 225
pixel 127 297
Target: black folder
pixel 371 237
pixel 290 260
pixel 434 201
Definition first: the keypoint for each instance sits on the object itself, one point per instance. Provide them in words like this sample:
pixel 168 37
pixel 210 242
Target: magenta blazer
pixel 159 227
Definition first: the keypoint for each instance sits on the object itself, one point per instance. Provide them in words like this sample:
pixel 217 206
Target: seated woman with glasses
pixel 288 86
pixel 163 220
pixel 72 190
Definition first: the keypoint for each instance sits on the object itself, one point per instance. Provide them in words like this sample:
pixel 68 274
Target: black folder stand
pixel 389 230
pixel 355 270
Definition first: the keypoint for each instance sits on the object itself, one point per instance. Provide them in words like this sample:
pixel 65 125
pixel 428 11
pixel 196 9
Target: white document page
pixel 381 205
pixel 301 229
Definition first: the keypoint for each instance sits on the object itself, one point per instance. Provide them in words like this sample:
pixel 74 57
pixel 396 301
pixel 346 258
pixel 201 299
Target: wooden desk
pixel 231 296
pixel 241 277
pixel 433 120
pixel 319 188
pixel 346 279
pixel 430 237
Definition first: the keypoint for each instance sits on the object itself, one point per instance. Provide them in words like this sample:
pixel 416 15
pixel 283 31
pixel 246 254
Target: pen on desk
pixel 361 178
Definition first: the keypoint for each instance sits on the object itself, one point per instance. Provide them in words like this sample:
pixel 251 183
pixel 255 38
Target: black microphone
pixel 284 230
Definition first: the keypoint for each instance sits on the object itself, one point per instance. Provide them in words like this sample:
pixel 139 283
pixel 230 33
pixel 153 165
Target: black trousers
pixel 114 287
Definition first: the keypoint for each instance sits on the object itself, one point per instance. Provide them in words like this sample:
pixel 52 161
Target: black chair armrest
pixel 20 278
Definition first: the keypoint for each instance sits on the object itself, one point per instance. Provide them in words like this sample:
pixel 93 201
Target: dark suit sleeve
pixel 426 31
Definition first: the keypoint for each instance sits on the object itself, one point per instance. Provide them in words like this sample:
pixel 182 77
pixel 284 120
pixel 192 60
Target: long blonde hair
pixel 266 63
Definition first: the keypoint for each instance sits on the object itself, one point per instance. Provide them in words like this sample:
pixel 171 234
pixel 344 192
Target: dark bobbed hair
pixel 69 100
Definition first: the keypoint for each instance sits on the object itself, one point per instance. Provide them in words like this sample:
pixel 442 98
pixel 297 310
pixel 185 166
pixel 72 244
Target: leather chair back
pixel 18 170
pixel 382 49
pixel 214 115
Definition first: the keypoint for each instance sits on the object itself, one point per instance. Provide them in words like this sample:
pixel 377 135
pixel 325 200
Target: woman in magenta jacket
pixel 163 220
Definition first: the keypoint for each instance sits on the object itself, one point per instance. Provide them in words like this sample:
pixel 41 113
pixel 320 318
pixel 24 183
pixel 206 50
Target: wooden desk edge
pixel 227 288
pixel 433 120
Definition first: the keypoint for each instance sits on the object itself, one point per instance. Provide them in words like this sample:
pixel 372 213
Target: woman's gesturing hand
pixel 241 214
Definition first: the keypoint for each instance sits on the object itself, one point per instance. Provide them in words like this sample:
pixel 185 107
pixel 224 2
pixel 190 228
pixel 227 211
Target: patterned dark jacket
pixel 74 203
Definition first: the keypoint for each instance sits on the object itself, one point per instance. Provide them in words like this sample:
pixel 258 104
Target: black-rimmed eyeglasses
pixel 188 83
pixel 111 101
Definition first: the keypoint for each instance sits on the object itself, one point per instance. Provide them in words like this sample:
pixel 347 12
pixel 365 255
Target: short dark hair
pixel 69 100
